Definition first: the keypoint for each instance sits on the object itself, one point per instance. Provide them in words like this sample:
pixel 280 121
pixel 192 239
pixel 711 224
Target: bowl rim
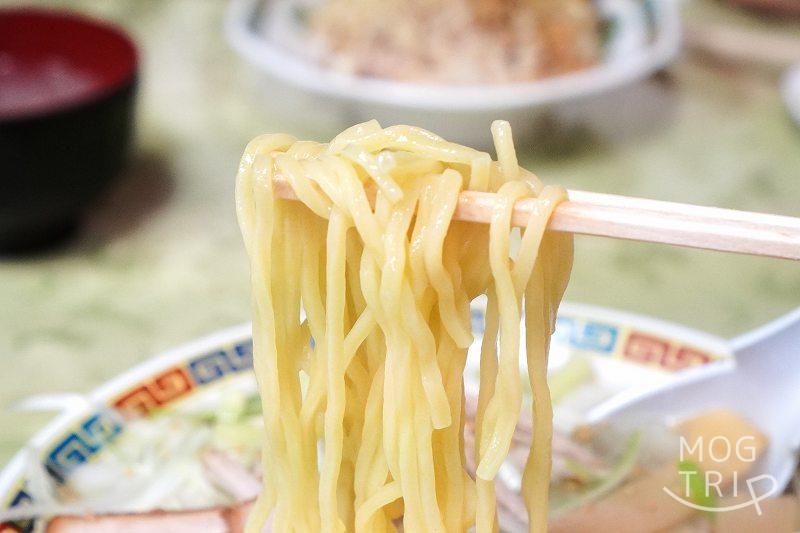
pixel 91 97
pixel 12 475
pixel 290 68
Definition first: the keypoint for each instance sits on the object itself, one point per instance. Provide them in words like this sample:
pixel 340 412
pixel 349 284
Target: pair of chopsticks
pixel 637 219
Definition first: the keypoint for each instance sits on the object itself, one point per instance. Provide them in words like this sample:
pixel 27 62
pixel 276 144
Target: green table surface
pixel 160 260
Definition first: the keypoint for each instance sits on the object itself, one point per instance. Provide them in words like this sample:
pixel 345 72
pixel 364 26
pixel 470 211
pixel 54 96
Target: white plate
pixel 645 36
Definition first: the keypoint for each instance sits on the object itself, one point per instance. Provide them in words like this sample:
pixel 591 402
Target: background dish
pixel 622 348
pixel 643 37
pixel 791 92
pixel 66 120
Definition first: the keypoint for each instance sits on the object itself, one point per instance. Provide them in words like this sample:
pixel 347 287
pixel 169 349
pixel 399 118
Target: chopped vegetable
pixel 606 484
pixel 640 506
pixel 694 482
pixel 576 372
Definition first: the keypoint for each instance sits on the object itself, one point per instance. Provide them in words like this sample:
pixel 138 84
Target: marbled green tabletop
pixel 160 261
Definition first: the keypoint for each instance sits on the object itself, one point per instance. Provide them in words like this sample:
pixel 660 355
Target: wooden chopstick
pixel 622 217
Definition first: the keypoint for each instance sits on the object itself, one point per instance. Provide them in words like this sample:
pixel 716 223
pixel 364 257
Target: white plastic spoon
pixel 761 383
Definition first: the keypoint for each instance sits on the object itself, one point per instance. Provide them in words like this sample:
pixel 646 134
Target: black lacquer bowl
pixel 67 87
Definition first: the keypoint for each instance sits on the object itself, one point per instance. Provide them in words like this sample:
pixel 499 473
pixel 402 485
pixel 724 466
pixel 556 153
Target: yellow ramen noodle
pixel 361 324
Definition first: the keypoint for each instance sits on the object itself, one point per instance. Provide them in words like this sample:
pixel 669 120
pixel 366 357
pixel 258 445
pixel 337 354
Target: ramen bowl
pixel 625 351
pixel 67 87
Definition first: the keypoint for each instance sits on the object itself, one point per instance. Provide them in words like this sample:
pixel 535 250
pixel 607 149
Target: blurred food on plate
pixel 458 41
pixel 452 66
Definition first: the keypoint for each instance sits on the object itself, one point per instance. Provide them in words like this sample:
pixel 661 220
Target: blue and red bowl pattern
pixel 87 438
